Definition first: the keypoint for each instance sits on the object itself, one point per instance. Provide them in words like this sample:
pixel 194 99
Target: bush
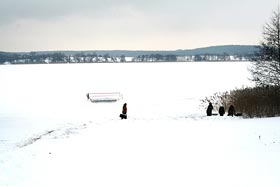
pixel 251 102
pixel 218 99
pixel 257 102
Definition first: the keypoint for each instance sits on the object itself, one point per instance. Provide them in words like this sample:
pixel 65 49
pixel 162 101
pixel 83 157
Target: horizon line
pixel 72 50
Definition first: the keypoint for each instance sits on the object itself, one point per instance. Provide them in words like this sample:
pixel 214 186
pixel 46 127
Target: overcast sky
pixel 30 25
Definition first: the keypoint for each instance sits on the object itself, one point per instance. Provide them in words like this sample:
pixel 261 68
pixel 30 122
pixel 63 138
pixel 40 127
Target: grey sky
pixel 27 25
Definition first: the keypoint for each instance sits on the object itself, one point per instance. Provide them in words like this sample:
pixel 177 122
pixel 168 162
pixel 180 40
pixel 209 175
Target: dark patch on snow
pixel 34 139
pixel 54 134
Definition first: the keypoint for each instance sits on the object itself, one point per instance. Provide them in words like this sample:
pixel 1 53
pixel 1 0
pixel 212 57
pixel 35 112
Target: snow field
pixel 52 136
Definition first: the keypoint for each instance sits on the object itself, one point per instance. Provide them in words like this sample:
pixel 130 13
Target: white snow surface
pixel 51 135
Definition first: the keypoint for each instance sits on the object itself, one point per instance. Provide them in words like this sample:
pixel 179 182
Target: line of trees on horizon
pixel 60 57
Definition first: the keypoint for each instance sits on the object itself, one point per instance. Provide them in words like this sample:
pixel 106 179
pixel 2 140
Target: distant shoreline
pixel 243 61
pixel 210 54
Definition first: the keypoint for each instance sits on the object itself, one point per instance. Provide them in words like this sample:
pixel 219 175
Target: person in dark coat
pixel 231 111
pixel 221 110
pixel 209 109
pixel 123 115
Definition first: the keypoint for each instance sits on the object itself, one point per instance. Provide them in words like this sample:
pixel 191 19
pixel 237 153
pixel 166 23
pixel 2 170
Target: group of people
pixel 231 110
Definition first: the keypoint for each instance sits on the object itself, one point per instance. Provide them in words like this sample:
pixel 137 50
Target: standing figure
pixel 123 115
pixel 221 110
pixel 209 109
pixel 231 111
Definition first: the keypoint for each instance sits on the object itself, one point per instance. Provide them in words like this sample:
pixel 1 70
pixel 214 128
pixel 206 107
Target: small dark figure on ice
pixel 123 115
pixel 231 111
pixel 221 110
pixel 209 109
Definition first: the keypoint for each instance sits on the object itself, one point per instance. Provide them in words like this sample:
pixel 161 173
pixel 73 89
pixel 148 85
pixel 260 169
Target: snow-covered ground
pixel 50 135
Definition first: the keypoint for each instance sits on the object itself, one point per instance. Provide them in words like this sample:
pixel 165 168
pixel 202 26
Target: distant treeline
pixel 218 53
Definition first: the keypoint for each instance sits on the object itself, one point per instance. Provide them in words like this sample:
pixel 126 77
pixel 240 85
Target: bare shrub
pixel 251 102
pixel 257 102
pixel 218 99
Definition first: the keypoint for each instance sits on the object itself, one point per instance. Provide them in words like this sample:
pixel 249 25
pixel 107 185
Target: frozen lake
pixel 59 90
